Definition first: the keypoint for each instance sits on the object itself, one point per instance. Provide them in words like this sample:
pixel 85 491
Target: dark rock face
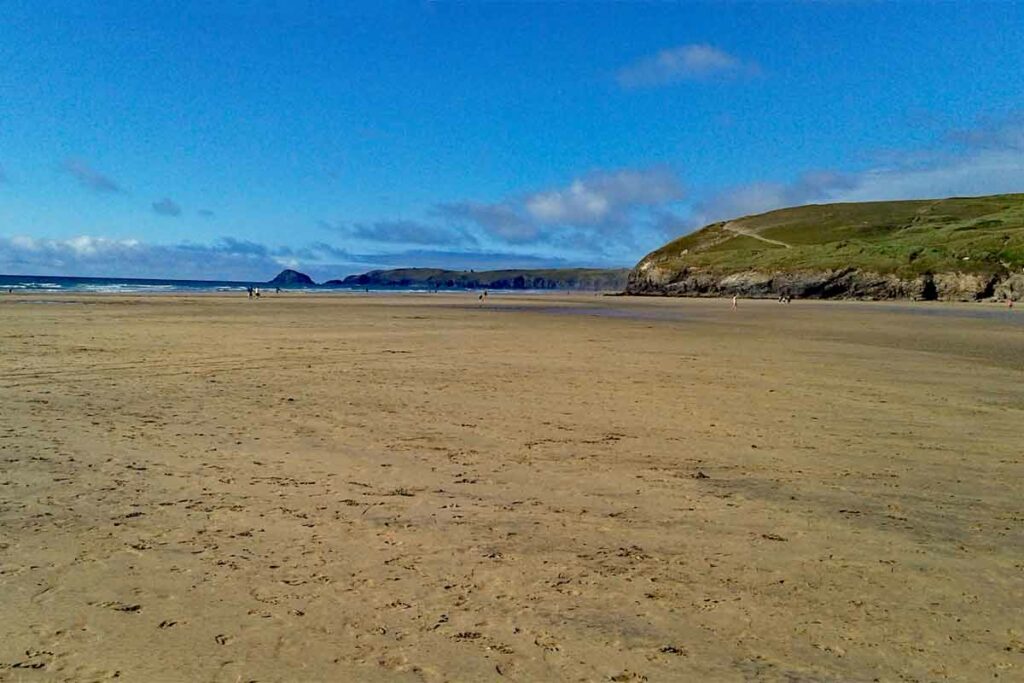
pixel 290 278
pixel 851 283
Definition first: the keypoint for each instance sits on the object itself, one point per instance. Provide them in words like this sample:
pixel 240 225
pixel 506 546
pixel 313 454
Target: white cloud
pixel 605 196
pixel 575 204
pixel 684 63
pixel 598 215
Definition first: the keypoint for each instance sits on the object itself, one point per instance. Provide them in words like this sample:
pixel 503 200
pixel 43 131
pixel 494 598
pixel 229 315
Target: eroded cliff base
pixel 850 283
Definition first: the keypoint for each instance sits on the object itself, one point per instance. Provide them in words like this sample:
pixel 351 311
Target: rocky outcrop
pixel 291 278
pixel 1012 288
pixel 650 279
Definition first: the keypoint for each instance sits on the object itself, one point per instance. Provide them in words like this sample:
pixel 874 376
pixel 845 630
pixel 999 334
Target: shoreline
pixel 909 305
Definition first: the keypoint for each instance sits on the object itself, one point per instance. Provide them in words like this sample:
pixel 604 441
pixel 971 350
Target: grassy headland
pixel 908 241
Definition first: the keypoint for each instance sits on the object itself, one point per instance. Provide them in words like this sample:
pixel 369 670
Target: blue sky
pixel 230 139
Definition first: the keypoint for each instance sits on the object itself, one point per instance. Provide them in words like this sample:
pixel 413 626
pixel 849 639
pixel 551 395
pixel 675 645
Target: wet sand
pixel 579 488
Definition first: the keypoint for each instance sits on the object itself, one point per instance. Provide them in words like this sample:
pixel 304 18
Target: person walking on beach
pixel 734 306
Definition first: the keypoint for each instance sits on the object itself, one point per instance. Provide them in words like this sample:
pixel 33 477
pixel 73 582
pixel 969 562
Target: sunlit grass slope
pixel 906 238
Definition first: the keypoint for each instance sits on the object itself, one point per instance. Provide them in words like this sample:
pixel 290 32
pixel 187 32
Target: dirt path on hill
pixel 746 233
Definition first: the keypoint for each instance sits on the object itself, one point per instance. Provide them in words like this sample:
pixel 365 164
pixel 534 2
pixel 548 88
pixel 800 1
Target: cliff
pixel 962 249
pixel 594 279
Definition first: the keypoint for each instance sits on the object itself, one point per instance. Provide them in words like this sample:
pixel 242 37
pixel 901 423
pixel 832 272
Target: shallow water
pixel 978 311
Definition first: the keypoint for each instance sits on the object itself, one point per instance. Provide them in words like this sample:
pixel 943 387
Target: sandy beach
pixel 541 488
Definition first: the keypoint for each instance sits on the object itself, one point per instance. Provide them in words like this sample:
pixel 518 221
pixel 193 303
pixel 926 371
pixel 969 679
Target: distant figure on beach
pixel 277 290
pixel 256 290
pixel 249 289
pixel 734 306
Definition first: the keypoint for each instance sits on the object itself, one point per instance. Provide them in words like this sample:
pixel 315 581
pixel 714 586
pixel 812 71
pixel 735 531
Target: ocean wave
pixel 121 288
pixel 33 286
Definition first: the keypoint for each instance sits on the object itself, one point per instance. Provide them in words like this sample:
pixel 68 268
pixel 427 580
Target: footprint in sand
pixel 120 606
pixel 547 642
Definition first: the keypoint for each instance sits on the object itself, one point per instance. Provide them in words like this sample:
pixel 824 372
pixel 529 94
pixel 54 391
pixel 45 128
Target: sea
pixel 119 285
pixel 124 285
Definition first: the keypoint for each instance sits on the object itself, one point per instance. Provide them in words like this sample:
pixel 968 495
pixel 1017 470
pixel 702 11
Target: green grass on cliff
pixel 908 238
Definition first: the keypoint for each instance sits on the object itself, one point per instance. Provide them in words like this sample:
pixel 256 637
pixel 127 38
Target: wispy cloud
pixel 89 177
pixel 206 213
pixel 232 259
pixel 167 207
pixel 684 63
pixel 500 220
pixel 103 256
pixel 593 216
pixel 465 260
pixel 979 172
pixel 985 159
pixel 403 232
pixel 1004 133
pixel 753 198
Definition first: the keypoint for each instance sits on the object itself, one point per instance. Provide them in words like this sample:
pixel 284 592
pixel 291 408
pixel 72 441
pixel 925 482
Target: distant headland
pixel 590 279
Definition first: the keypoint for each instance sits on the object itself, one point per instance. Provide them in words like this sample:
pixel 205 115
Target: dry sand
pixel 574 488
